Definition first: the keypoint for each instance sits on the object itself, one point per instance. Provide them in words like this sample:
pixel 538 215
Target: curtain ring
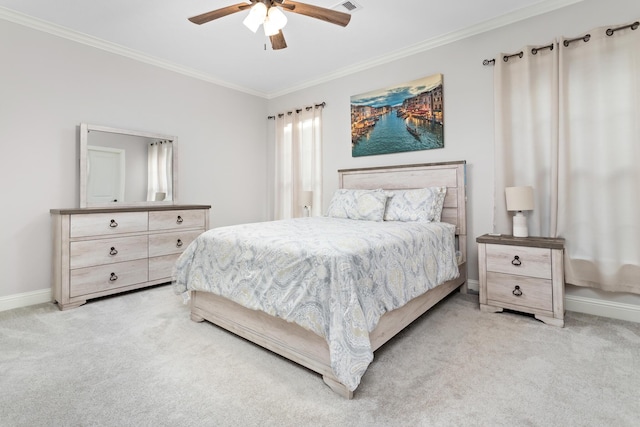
pixel 519 55
pixel 535 50
pixel 585 39
pixel 633 26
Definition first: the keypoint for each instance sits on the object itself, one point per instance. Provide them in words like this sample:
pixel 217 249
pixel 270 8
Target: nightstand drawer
pixel 519 260
pixel 519 291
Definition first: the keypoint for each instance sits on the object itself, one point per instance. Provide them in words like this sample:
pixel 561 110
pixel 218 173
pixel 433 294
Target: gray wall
pixel 49 85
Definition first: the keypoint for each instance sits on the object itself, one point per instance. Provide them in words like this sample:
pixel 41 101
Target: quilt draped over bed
pixel 335 277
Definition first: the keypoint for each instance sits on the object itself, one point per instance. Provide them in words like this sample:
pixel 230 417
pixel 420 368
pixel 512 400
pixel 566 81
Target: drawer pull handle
pixel 113 277
pixel 179 220
pixel 516 261
pixel 179 243
pixel 113 223
pixel 113 251
pixel 516 291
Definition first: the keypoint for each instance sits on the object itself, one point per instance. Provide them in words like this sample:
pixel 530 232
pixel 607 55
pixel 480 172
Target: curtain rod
pixel 609 32
pixel 298 110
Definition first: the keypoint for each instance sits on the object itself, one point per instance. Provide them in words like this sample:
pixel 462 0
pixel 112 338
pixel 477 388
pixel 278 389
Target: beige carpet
pixel 137 360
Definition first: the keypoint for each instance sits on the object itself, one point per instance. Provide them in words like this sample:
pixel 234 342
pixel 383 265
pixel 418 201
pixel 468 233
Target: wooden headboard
pixel 449 174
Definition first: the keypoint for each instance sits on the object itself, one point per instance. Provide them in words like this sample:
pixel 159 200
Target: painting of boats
pixel 404 117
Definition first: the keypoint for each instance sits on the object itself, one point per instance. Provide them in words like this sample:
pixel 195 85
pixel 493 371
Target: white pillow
pixel 366 205
pixel 423 204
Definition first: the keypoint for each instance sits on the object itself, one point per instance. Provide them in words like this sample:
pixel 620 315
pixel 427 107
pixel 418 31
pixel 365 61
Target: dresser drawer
pixel 104 224
pixel 171 243
pixel 161 267
pixel 533 293
pixel 107 251
pixel 519 260
pixel 88 280
pixel 176 219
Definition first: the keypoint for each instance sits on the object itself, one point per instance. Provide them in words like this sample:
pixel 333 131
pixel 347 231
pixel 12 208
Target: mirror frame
pixel 86 129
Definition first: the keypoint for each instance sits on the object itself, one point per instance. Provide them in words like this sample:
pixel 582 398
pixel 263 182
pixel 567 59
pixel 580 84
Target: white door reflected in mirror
pixel 107 176
pixel 150 168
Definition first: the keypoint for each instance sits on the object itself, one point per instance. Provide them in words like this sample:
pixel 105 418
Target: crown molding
pixel 57 30
pixel 492 24
pixel 509 18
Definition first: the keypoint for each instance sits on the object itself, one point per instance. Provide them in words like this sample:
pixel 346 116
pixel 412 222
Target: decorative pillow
pixel 366 205
pixel 423 204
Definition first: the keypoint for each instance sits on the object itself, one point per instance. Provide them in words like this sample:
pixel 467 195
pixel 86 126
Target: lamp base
pixel 520 228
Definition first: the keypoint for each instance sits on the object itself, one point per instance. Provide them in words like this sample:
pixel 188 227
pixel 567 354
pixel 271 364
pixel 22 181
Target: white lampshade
pixel 270 29
pixel 256 16
pixel 276 17
pixel 519 199
pixel 306 198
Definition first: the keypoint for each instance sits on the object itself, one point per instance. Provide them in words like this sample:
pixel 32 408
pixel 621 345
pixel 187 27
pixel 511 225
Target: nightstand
pixel 524 274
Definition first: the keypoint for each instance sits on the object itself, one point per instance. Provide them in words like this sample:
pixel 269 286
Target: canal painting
pixel 405 117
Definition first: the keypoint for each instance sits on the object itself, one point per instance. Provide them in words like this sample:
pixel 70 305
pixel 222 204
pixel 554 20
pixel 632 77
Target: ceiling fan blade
pixel 277 41
pixel 219 13
pixel 328 15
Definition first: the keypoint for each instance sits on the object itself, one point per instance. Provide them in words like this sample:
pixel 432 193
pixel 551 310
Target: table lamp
pixel 306 199
pixel 519 199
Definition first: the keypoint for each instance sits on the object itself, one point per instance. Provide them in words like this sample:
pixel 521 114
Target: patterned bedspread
pixel 335 277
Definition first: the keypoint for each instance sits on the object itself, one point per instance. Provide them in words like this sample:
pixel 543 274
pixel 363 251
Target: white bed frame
pixel 309 349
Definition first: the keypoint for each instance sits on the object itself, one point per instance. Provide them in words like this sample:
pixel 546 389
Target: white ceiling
pixel 225 52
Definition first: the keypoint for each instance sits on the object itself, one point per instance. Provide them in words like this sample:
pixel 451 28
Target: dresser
pixel 524 274
pixel 105 251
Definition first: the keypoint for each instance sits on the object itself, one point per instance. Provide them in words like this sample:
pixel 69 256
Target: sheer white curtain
pixel 159 171
pixel 567 123
pixel 298 163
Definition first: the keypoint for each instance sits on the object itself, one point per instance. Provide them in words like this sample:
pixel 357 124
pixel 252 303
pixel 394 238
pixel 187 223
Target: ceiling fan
pixel 268 13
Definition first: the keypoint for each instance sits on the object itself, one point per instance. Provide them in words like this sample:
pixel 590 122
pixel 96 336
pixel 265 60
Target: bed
pixel 313 302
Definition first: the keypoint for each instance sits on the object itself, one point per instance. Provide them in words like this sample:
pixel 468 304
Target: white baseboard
pixel 601 307
pixel 25 299
pixel 473 285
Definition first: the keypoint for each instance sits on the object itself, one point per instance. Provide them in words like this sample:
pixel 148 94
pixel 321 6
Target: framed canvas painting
pixel 404 117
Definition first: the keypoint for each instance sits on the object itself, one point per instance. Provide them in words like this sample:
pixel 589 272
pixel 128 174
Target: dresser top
pixel 145 208
pixel 533 242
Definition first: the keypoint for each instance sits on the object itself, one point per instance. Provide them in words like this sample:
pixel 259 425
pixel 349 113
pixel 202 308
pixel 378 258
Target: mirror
pixel 123 168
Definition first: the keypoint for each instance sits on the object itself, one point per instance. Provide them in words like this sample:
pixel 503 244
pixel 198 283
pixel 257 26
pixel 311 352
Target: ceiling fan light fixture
pixel 270 29
pixel 276 17
pixel 256 16
pixel 268 13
